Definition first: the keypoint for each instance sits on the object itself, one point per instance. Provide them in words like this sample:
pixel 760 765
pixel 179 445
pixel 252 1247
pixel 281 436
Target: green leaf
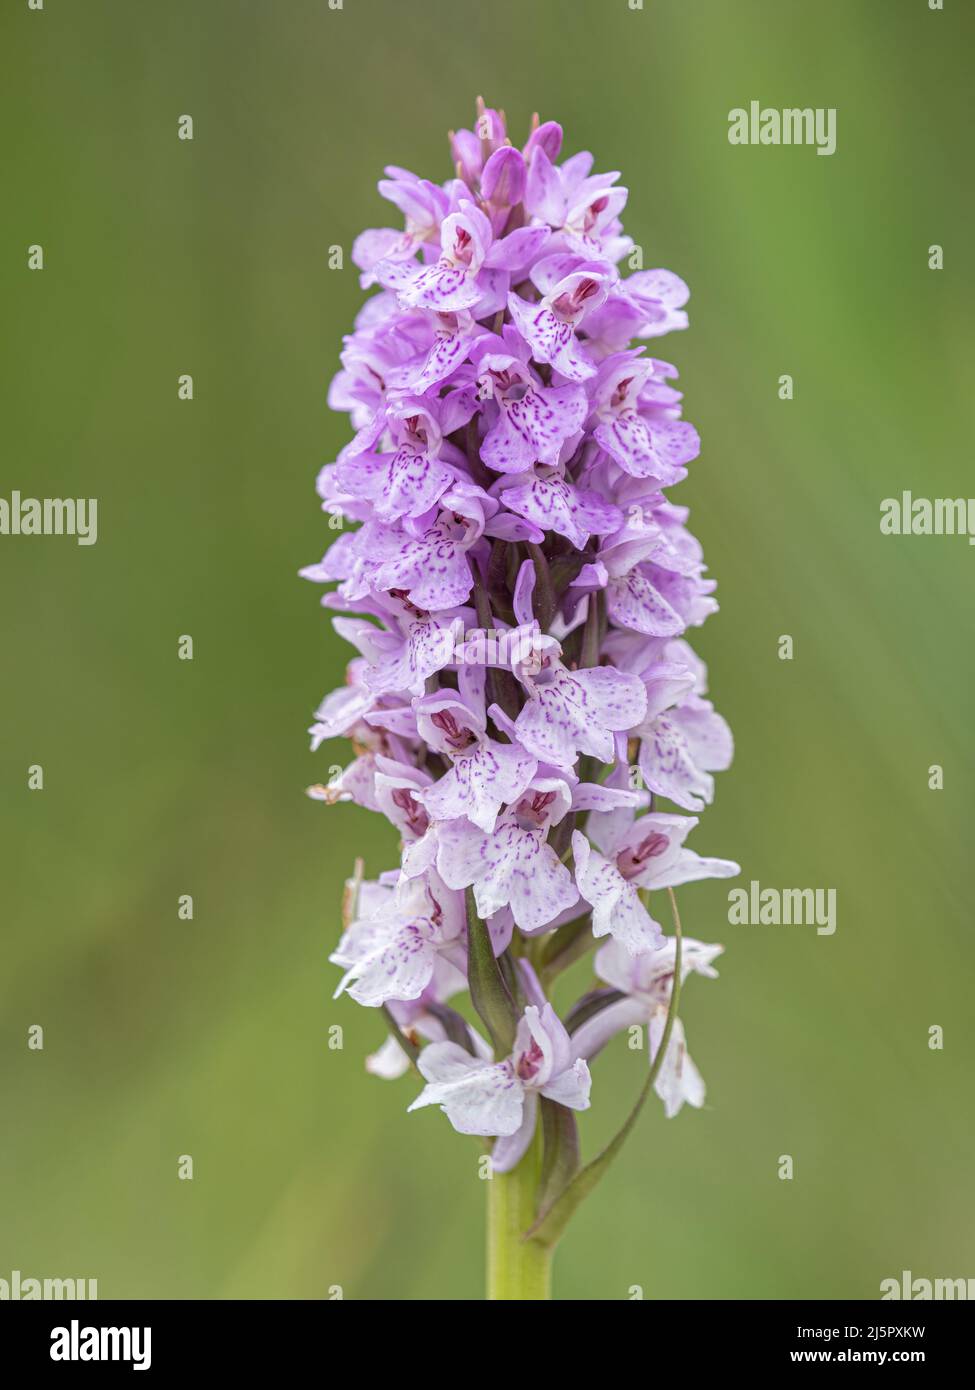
pixel 489 993
pixel 560 1153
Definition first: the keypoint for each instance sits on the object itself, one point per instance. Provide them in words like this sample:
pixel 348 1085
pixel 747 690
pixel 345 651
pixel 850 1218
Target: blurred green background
pixel 162 777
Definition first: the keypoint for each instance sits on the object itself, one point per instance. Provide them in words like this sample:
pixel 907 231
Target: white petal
pixel 571 1087
pixel 510 1149
pixel 678 1079
pixel 388 1061
pixel 477 1097
pixel 691 867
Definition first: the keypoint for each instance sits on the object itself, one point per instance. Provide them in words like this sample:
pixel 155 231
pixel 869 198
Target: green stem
pixel 518 1269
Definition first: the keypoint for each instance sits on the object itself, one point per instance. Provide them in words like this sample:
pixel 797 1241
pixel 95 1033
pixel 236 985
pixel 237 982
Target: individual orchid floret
pixel 646 854
pixel 533 422
pixel 585 210
pixel 423 205
pixel 484 774
pixel 644 984
pixel 549 326
pixel 642 446
pixel 635 596
pixel 406 656
pixel 397 791
pixel 680 749
pixel 427 559
pixel 570 712
pixel 451 283
pixel 501 1098
pixel 646 304
pixel 409 480
pixel 547 499
pixel 448 342
pixel 433 569
pixel 372 358
pixel 391 951
pixel 340 712
pixel 513 865
pixel 472 271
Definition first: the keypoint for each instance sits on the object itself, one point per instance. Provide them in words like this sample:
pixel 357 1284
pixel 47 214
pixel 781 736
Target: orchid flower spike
pixel 518 588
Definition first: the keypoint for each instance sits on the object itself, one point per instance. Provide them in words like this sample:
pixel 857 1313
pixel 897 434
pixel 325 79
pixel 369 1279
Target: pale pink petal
pixel 511 866
pixel 555 505
pixel 617 700
pixel 550 339
pixel 668 768
pixel 707 735
pixel 386 959
pixel 616 905
pixel 434 570
pixel 544 196
pixel 627 441
pixel 633 602
pixel 480 783
pixel 443 287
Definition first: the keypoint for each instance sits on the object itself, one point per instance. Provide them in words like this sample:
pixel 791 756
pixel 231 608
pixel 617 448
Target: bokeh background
pixel 210 1037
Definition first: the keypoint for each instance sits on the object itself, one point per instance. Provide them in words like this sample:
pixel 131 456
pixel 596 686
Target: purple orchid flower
pixel 644 853
pixel 391 953
pixel 645 983
pixel 642 444
pixel 549 327
pixel 568 712
pixel 680 749
pixel 518 587
pixel 533 423
pixel 484 774
pixel 501 1098
pixel 513 865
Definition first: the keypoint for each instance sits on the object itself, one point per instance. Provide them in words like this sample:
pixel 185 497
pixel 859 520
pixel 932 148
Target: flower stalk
pixel 518 1268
